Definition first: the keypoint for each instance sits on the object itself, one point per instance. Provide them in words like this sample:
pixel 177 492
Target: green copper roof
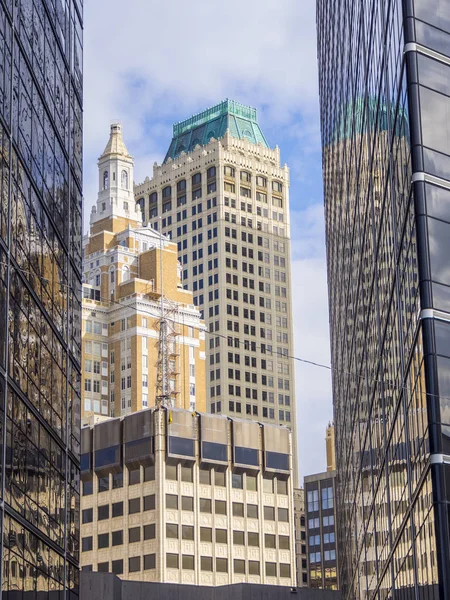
pixel 213 122
pixel 367 114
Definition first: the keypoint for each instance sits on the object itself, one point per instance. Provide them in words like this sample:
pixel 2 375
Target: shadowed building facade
pixel 40 296
pixel 384 93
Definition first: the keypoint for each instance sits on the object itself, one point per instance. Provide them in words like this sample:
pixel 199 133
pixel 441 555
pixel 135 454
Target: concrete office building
pixel 175 496
pixel 41 135
pixel 384 72
pixel 222 195
pixel 126 269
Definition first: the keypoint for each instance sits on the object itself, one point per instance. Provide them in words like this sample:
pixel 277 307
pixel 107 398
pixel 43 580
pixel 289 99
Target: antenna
pixel 162 379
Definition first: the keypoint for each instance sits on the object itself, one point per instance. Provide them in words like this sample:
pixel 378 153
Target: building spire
pixel 115 144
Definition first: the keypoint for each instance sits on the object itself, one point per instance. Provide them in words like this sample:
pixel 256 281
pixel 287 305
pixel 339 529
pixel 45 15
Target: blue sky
pixel 150 64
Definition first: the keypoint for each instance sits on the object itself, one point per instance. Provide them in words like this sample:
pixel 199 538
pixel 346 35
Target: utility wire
pixel 330 368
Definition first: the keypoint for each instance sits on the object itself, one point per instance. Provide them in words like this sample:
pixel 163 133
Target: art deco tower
pixel 131 281
pixel 40 296
pixel 385 100
pixel 222 195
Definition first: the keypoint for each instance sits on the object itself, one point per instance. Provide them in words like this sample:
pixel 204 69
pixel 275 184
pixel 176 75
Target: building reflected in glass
pixel 385 103
pixel 40 295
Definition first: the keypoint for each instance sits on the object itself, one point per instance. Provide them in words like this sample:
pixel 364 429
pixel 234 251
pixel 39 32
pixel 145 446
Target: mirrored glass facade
pixel 385 115
pixel 40 295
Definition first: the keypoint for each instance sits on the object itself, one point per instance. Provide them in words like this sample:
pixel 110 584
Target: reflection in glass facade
pixel 385 110
pixel 40 295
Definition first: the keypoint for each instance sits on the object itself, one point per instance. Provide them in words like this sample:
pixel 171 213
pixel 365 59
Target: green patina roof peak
pixel 239 119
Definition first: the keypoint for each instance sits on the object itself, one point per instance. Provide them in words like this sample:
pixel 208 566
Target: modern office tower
pixel 320 491
pixel 126 269
pixel 384 72
pixel 301 560
pixel 331 448
pixel 40 297
pixel 170 495
pixel 222 195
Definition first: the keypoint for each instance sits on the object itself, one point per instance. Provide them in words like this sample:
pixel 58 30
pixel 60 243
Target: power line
pixel 242 342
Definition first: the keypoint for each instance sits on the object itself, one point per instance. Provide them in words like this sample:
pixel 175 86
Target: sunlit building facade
pixel 176 496
pixel 40 296
pixel 383 74
pixel 131 282
pixel 222 195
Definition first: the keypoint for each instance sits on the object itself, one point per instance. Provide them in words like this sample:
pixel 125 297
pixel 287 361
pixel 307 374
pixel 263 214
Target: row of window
pixel 315 557
pixel 326 521
pixel 148 561
pixel 327 499
pixel 328 538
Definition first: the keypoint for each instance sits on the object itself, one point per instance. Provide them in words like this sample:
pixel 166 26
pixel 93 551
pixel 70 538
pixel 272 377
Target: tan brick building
pixel 126 269
pixel 177 496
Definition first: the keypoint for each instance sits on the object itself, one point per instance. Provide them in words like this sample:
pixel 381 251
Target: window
pixel 149 561
pixel 172 531
pixel 251 483
pixel 103 540
pixel 87 515
pixel 187 503
pixel 239 566
pixel 261 181
pixel 245 176
pixel 220 507
pixel 134 506
pixel 103 512
pixel 134 564
pixel 149 502
pixel 219 478
pixel 134 476
pixel 187 532
pixel 117 509
pixel 269 513
pixel 237 481
pixel 149 473
pixel 271 569
pixel 206 563
pixel 134 534
pixel 253 567
pixel 221 565
pixel 283 542
pixel 205 476
pixel 238 509
pixel 205 505
pixel 86 544
pixel 181 185
pixel 171 472
pixel 125 273
pixel 252 511
pixel 268 484
pixel 283 515
pixel 149 532
pixel 117 567
pixel 124 180
pixel 187 562
pixel 117 538
pixel 211 172
pixel 282 486
pixel 117 480
pixel 221 536
pixel 187 474
pixel 238 538
pixel 228 171
pixel 172 561
pixel 105 180
pixel 172 501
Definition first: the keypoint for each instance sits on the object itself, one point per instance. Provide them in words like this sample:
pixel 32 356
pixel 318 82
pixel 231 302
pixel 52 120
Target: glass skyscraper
pixel 384 73
pixel 40 295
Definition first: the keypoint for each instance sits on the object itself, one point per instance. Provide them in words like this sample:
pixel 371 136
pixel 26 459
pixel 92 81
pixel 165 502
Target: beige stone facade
pixel 226 205
pixel 176 496
pixel 331 448
pixel 126 269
